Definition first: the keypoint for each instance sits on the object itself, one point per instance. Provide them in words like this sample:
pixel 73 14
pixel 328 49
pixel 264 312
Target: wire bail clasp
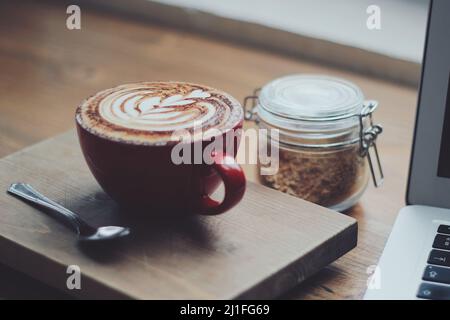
pixel 249 108
pixel 368 137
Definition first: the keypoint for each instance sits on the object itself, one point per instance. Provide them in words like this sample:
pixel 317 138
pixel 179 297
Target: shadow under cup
pixel 144 177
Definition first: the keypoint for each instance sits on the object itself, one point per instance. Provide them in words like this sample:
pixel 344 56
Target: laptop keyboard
pixel 438 269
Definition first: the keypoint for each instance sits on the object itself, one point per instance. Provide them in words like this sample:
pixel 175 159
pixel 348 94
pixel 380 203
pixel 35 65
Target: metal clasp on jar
pixel 367 140
pixel 249 111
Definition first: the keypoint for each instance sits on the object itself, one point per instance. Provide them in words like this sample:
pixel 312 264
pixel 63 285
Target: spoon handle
pixel 25 191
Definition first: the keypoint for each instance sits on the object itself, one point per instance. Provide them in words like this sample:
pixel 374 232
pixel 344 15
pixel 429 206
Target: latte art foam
pixel 140 109
pixel 153 111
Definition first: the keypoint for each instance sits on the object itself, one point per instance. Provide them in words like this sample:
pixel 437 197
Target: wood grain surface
pixel 46 70
pixel 265 245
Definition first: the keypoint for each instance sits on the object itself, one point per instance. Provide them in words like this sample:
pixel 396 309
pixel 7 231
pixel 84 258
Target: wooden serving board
pixel 264 246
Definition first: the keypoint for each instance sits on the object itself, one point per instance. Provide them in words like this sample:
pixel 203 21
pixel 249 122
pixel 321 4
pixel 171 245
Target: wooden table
pixel 46 70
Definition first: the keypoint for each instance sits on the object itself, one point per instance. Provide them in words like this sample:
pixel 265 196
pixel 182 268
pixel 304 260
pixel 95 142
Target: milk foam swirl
pixel 141 109
pixel 154 110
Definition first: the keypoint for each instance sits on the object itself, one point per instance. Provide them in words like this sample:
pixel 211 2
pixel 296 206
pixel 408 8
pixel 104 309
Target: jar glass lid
pixel 311 97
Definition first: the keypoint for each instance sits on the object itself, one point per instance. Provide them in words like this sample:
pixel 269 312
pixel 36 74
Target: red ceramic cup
pixel 145 177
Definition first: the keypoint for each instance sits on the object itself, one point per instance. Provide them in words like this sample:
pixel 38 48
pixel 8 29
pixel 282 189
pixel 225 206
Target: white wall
pixel 403 22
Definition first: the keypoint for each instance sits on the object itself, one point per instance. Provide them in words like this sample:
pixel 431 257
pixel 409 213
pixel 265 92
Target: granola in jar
pixel 326 133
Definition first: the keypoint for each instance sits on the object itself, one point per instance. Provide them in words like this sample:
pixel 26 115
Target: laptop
pixel 415 263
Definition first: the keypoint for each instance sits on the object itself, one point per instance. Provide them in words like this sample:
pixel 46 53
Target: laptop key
pixel 441 242
pixel 444 229
pixel 440 258
pixel 436 274
pixel 433 292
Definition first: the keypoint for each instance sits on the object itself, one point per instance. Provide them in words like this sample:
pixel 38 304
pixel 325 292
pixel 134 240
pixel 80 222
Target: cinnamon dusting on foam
pixel 150 112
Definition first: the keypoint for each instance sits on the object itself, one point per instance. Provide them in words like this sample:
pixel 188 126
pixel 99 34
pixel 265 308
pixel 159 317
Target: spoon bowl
pixel 106 233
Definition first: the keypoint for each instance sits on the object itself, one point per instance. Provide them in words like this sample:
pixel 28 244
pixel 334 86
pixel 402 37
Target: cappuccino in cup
pixel 127 135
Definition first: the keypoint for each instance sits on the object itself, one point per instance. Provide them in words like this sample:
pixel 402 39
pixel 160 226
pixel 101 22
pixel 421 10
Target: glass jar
pixel 324 134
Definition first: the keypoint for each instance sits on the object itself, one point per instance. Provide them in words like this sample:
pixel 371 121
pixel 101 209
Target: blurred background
pixel 130 40
pixel 331 31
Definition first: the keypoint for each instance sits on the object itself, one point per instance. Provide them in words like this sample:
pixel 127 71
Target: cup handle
pixel 233 178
